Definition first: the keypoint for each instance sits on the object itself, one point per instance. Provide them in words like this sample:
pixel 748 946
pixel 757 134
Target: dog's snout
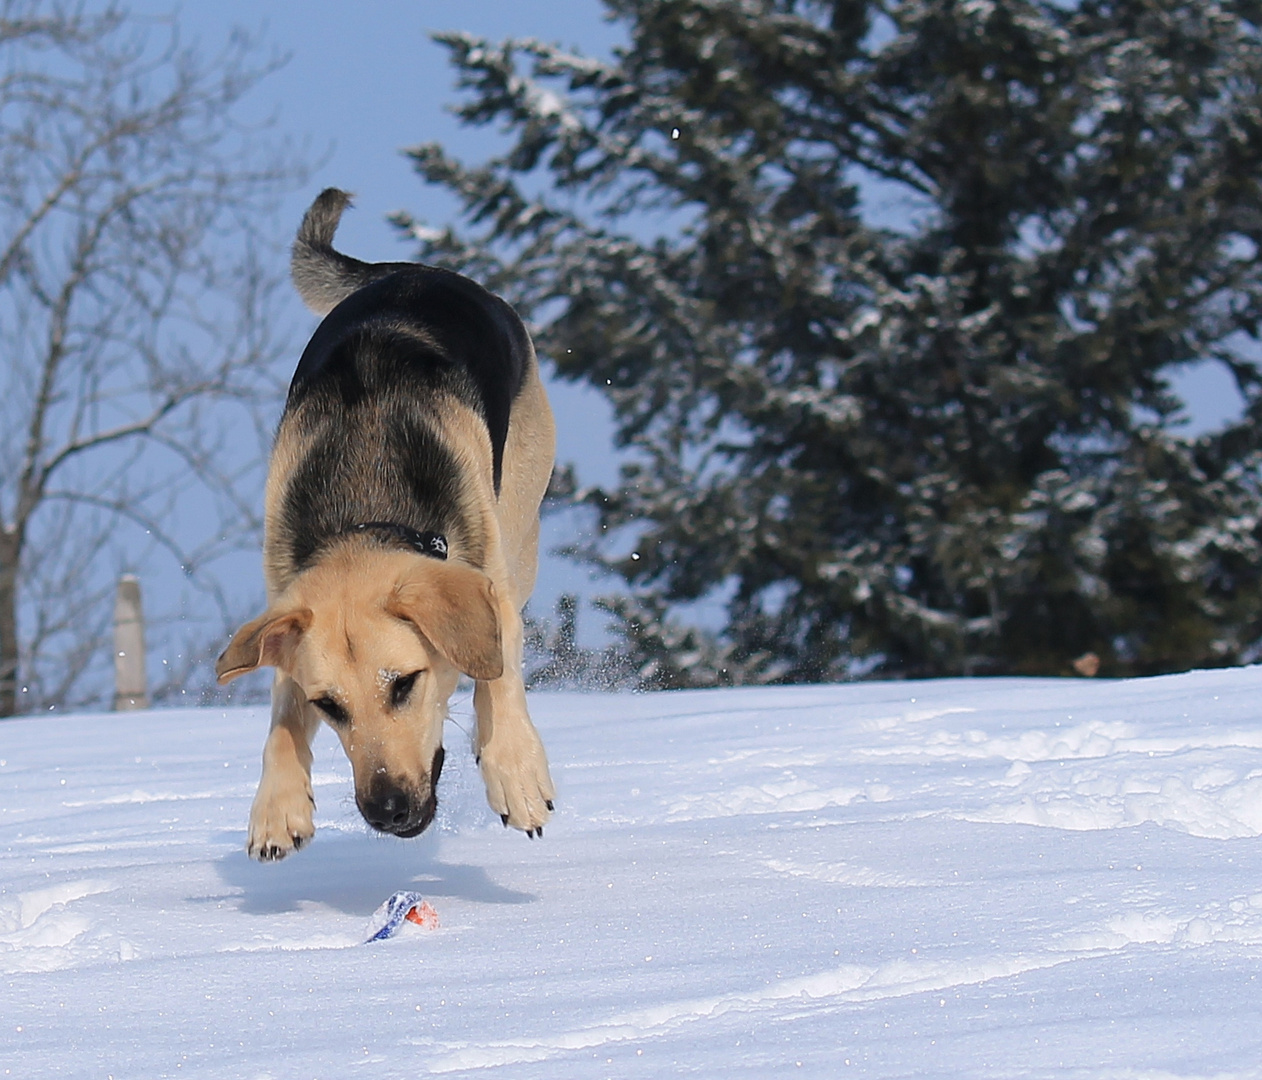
pixel 398 808
pixel 393 807
pixel 387 807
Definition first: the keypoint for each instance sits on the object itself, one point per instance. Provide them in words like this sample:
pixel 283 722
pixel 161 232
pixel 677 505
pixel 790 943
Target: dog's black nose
pixel 388 808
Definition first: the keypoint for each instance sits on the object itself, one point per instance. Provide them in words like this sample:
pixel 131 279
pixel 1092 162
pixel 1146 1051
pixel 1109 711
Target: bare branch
pixel 137 320
pixel 123 431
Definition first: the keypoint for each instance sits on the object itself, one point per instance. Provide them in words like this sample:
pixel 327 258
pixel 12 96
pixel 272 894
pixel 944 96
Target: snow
pixel 991 878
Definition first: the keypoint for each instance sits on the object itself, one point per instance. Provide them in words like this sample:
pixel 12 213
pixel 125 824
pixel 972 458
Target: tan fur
pixel 363 612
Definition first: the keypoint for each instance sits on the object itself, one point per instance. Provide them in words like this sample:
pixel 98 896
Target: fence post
pixel 130 690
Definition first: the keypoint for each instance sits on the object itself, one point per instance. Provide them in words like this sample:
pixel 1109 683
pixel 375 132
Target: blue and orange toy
pixel 402 907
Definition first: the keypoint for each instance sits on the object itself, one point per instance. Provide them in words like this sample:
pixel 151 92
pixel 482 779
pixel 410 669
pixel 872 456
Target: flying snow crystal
pixel 674 133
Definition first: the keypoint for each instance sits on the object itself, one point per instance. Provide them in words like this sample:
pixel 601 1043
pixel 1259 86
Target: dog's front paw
pixel 518 784
pixel 280 823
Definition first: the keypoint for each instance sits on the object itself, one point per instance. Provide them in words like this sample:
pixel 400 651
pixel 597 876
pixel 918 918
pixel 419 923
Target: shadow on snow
pixel 355 873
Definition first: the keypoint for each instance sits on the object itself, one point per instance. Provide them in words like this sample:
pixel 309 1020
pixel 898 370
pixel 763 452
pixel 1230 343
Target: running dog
pixel 400 543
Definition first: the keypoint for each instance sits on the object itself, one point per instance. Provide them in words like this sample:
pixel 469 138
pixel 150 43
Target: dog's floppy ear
pixel 262 642
pixel 454 606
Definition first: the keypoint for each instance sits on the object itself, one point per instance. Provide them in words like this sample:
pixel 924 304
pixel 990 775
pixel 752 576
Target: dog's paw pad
pixel 280 827
pixel 518 785
pixel 274 852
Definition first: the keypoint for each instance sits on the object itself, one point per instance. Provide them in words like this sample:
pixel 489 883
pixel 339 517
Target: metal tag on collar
pixel 432 544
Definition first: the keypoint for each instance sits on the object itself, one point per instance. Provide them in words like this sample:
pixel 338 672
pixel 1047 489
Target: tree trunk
pixel 129 647
pixel 8 626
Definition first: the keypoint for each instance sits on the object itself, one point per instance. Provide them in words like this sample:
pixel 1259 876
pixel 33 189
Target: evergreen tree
pixel 942 445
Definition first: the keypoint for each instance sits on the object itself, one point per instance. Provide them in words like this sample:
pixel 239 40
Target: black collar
pixel 426 543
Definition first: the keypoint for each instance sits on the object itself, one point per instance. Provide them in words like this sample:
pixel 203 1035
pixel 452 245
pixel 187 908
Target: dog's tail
pixel 325 277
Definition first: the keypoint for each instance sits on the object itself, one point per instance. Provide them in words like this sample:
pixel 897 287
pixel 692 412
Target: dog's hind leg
pixel 281 819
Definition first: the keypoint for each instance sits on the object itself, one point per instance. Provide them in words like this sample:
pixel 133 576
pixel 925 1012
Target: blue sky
pixel 364 80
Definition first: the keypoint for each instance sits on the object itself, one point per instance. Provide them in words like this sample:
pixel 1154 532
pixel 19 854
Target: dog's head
pixel 376 641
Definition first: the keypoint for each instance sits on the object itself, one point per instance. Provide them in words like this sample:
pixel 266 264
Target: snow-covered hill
pixel 994 878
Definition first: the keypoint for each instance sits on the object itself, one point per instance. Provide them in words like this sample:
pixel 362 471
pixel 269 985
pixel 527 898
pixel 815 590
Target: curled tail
pixel 325 277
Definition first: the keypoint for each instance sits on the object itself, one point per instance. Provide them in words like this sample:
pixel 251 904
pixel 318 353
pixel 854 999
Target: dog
pixel 401 534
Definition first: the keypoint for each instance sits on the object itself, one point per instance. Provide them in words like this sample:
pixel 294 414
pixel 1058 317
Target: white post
pixel 130 690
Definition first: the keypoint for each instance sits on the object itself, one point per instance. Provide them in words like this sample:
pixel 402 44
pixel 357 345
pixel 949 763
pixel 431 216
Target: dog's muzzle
pixel 391 808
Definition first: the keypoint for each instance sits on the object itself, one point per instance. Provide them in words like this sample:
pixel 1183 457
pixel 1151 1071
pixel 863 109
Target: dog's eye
pixel 401 688
pixel 332 710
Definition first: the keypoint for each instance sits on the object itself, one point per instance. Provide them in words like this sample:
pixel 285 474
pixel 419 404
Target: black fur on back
pixel 369 390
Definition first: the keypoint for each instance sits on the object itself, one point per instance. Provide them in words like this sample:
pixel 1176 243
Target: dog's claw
pixel 504 819
pixel 548 804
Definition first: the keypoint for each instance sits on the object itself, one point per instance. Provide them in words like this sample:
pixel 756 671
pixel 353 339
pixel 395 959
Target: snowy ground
pixel 1001 878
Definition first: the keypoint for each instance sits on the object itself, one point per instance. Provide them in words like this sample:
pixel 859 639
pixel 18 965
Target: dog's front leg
pixel 281 818
pixel 509 751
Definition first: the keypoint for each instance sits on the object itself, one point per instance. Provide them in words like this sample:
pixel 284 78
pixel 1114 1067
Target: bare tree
pixel 135 322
